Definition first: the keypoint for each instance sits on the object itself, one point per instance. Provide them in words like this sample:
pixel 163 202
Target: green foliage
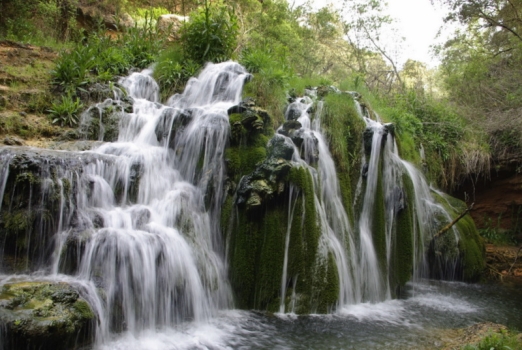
pixel 211 34
pixel 502 340
pixel 269 83
pixel 494 234
pixel 72 68
pixel 142 43
pixel 150 12
pixel 102 58
pixel 173 70
pixel 66 111
pixel 38 22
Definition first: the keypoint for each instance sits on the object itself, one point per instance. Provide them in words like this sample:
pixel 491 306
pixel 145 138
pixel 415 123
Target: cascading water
pixel 139 222
pixel 133 224
pixel 336 233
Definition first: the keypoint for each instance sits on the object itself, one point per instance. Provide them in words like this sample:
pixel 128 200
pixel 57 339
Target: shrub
pixel 71 70
pixel 211 34
pixel 65 112
pixel 142 43
pixel 173 70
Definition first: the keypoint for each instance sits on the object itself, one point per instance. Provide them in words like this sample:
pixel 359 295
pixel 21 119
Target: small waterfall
pixel 137 218
pixel 336 237
pixel 384 167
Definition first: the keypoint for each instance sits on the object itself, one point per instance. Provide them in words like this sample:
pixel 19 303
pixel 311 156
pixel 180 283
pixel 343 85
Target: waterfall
pixel 134 224
pixel 336 233
pixel 137 217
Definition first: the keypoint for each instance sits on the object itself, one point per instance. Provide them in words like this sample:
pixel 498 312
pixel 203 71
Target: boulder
pixel 92 16
pixel 45 315
pixel 170 25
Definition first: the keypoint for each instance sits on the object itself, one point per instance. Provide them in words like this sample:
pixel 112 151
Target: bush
pixel 38 22
pixel 497 341
pixel 102 58
pixel 270 82
pixel 211 34
pixel 65 112
pixel 72 68
pixel 142 44
pixel 173 70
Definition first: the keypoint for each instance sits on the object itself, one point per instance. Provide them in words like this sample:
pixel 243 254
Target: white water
pixel 336 232
pixel 146 210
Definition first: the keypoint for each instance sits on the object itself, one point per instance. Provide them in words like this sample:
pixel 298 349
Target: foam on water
pixel 390 311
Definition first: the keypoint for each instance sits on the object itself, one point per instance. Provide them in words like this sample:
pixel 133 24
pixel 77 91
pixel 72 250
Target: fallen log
pixel 450 225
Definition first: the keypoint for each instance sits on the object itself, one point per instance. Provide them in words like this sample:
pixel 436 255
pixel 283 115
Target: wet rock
pixel 293 112
pixel 140 217
pixel 92 17
pixel 45 315
pixel 292 125
pixel 278 147
pixel 171 122
pixel 248 121
pixel 397 200
pixel 243 106
pixel 97 92
pixel 264 183
pixel 76 146
pixel 364 171
pixel 388 129
pixel 101 122
pixel 39 194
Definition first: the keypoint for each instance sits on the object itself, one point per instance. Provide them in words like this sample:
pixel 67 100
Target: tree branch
pixel 450 225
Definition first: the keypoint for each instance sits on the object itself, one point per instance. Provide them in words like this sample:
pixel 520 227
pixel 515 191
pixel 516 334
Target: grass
pixel 504 340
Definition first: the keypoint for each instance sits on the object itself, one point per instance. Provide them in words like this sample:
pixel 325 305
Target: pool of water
pixel 418 321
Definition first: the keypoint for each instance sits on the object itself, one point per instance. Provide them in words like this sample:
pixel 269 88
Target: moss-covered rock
pixel 101 121
pixel 458 253
pixel 39 197
pixel 45 315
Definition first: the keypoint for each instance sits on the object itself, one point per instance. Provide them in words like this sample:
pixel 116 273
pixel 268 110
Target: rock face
pixel 44 315
pixel 170 25
pixel 40 191
pixel 498 202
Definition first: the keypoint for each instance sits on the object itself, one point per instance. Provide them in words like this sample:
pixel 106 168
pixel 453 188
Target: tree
pixel 482 66
pixel 369 31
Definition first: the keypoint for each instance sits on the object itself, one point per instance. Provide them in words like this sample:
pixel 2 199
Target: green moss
pixel 83 309
pixel 344 128
pixel 379 222
pixel 470 249
pixel 243 160
pixel 327 293
pixel 257 247
pixel 408 149
pixel 17 222
pixel 401 268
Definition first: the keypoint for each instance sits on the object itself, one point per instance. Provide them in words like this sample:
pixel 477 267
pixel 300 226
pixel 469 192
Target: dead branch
pixel 448 226
pixel 514 262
